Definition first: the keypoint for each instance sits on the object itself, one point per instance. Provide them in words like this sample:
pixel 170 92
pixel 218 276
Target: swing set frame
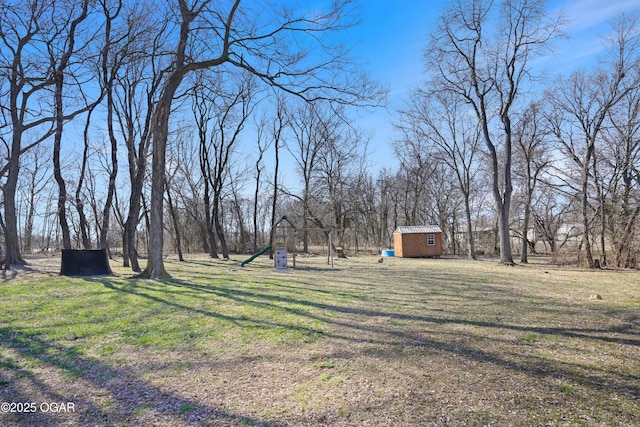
pixel 284 232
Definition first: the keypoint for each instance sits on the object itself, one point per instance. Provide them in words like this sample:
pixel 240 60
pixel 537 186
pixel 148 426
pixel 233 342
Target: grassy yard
pixel 399 343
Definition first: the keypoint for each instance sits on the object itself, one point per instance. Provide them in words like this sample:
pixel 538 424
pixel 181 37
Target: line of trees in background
pixel 120 73
pixel 253 127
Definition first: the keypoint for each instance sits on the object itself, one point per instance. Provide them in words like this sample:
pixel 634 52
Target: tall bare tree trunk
pixel 217 222
pixel 155 264
pixel 176 226
pixel 5 262
pixel 471 247
pixel 13 255
pixel 255 208
pixel 57 171
pixel 525 230
pixel 584 204
pixel 259 168
pixel 82 217
pixel 58 79
pixel 159 134
pixel 109 75
pixel 277 133
pixel 211 233
pixel 131 224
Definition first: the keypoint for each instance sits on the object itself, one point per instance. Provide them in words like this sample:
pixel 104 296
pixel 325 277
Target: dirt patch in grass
pixel 403 342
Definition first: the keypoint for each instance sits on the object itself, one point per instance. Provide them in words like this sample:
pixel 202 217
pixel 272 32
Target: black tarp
pixel 85 262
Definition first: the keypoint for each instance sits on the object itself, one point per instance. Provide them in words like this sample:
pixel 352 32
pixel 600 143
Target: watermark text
pixel 46 407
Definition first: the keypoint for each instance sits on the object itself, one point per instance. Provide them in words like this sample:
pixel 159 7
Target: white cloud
pixel 591 14
pixel 587 29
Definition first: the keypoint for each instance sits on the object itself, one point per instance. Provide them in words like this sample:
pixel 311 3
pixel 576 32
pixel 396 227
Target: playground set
pixel 283 241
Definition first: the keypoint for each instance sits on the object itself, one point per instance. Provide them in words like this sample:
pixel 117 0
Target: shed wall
pixel 414 245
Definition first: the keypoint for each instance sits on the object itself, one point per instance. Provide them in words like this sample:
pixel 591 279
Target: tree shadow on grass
pixel 209 263
pixel 142 290
pixel 11 372
pixel 275 301
pixel 21 269
pixel 370 326
pixel 385 332
pixel 162 407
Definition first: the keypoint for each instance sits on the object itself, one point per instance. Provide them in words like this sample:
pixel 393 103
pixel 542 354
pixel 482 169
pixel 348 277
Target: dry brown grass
pixel 400 343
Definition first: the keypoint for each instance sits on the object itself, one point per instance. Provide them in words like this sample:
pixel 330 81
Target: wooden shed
pixel 417 241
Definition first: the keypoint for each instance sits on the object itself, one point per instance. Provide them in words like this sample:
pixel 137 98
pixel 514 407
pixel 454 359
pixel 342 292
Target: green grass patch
pixel 325 377
pixel 566 388
pixel 530 337
pixel 186 408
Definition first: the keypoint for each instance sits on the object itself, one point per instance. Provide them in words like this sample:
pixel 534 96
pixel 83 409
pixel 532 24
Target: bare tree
pixel 188 186
pixel 39 50
pixel 581 106
pixel 621 149
pixel 257 41
pixel 487 69
pixel 443 203
pixel 373 195
pixel 181 193
pixel 70 20
pixel 263 142
pixel 139 81
pixel 414 173
pixel 28 77
pixel 222 110
pixel 174 217
pixel 82 217
pixel 312 126
pixel 33 182
pixel 238 209
pixel 203 114
pixel 442 122
pixel 114 52
pixel 342 164
pixel 280 121
pixel 533 157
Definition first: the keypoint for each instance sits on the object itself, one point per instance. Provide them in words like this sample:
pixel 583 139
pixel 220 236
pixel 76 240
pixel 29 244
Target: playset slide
pixel 254 256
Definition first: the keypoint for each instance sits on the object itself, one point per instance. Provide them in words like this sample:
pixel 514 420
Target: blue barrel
pixel 387 252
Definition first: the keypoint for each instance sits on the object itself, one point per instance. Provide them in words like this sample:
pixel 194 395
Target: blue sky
pixel 392 36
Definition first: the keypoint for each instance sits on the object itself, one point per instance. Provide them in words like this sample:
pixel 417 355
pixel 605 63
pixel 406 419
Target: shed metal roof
pixel 418 229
